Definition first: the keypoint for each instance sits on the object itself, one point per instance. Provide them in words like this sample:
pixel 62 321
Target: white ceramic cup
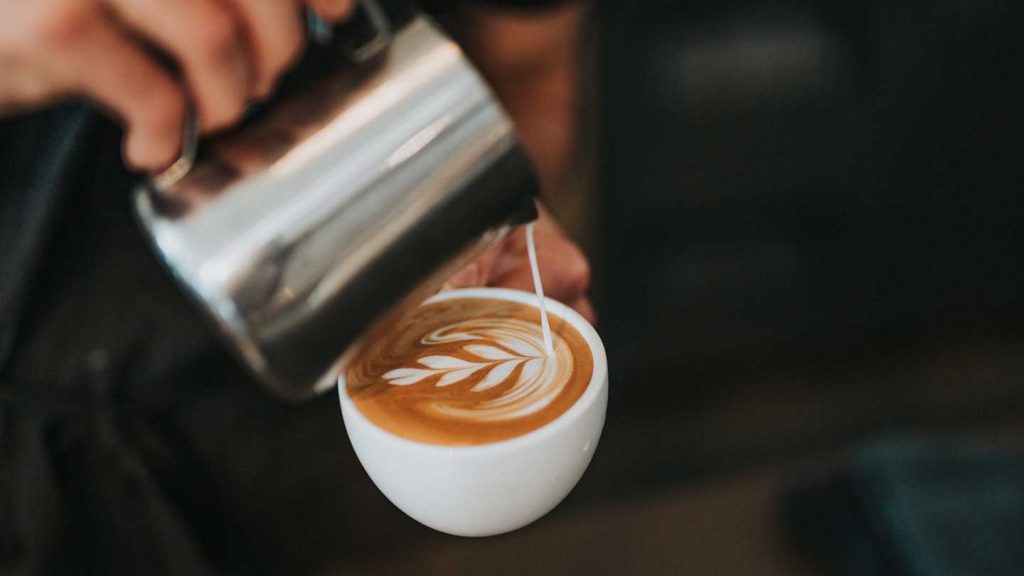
pixel 487 489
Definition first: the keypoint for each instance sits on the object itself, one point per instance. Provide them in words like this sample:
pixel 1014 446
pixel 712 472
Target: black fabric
pixel 101 318
pixel 37 151
pixel 131 443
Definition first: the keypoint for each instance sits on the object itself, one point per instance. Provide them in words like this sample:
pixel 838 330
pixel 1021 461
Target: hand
pixel 228 52
pixel 563 267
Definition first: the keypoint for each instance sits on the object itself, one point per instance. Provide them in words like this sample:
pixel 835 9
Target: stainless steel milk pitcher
pixel 340 203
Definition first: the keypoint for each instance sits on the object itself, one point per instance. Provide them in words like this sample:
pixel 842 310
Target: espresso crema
pixel 469 371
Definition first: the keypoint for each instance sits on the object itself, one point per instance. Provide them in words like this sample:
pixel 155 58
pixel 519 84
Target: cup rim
pixel 598 380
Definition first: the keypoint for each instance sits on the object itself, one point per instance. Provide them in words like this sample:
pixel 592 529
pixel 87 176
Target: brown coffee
pixel 469 371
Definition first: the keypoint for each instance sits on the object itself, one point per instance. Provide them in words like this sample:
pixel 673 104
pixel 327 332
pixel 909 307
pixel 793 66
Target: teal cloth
pixel 918 507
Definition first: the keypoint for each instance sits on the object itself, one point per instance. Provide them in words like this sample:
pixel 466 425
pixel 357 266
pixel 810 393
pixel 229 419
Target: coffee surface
pixel 469 371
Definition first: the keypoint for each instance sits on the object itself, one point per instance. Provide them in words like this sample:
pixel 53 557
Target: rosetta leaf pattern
pixel 489 352
pixel 445 362
pixel 497 364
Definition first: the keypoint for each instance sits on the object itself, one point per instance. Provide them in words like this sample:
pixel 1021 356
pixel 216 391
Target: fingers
pixel 227 52
pixel 564 270
pixel 276 33
pixel 100 62
pixel 467 277
pixel 207 40
pixel 332 10
pixel 562 284
pixel 477 272
pixel 564 275
pixel 275 30
pixel 230 51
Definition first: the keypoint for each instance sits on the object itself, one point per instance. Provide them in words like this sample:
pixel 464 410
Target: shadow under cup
pixel 487 489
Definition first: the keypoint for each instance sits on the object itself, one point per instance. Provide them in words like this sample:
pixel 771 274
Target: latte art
pixel 469 371
pixel 498 352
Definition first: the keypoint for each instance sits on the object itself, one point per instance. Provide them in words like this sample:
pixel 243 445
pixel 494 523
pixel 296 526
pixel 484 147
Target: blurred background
pixel 805 222
pixel 804 219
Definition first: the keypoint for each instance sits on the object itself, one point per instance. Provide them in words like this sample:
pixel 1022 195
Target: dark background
pixel 809 221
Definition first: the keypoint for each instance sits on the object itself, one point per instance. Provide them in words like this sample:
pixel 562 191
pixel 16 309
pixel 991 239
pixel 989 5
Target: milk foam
pixel 515 351
pixel 498 351
pixel 472 371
